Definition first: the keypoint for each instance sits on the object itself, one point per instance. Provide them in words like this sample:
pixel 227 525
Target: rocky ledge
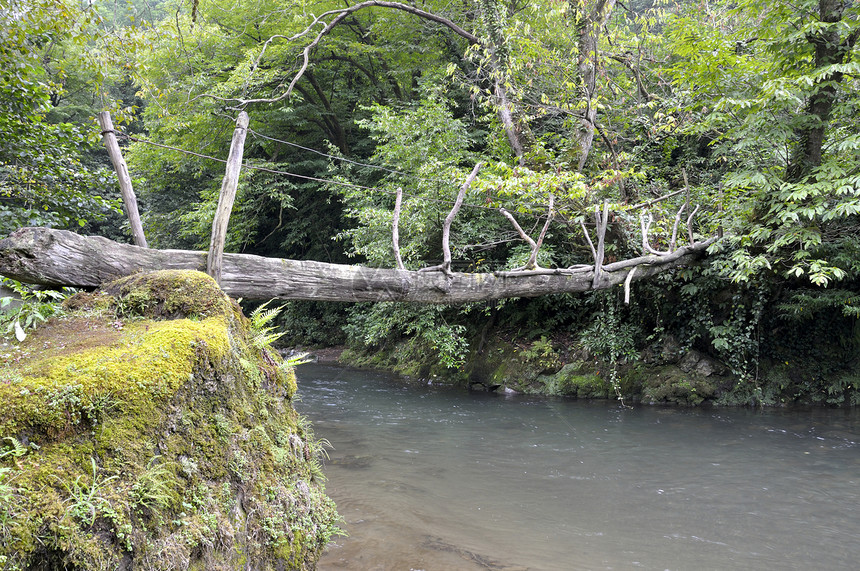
pixel 152 427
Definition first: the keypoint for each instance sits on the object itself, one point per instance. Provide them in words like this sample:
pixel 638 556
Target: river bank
pixel 666 372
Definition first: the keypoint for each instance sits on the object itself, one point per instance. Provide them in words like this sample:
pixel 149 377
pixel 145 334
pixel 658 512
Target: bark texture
pixel 63 258
pixel 227 197
pixel 128 197
pixel 590 19
pixel 830 49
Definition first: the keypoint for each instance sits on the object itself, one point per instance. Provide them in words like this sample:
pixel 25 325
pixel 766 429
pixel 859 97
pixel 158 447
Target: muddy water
pixel 435 479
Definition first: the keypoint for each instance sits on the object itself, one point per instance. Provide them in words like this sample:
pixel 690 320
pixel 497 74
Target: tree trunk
pixel 63 258
pixel 830 48
pixel 588 28
pixel 338 132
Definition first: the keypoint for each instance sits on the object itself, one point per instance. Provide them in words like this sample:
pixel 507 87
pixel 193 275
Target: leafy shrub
pixel 376 324
pixel 28 309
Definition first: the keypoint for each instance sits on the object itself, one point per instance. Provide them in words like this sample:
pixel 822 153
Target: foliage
pixel 609 338
pixel 16 449
pixel 46 177
pixel 262 330
pixel 749 106
pixel 542 354
pixel 29 308
pixel 8 502
pixel 780 344
pixel 155 487
pixel 805 304
pixel 427 148
pixel 774 87
pixel 312 323
pixel 376 324
pixel 263 334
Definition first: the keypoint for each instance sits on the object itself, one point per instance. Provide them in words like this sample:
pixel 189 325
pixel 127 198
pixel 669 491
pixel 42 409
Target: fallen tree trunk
pixel 63 258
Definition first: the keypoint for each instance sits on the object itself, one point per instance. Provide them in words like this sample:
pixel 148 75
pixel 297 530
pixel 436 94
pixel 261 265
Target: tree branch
pixel 532 264
pixel 588 239
pixel 445 267
pixel 627 281
pixel 674 239
pixel 602 223
pixel 339 16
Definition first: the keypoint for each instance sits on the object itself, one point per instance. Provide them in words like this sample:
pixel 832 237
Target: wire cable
pixel 334 157
pixel 377 167
pixel 301 176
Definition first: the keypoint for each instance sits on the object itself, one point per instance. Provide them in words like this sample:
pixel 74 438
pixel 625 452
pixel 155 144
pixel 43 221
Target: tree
pixel 59 257
pixel 774 86
pixel 46 177
pixel 188 102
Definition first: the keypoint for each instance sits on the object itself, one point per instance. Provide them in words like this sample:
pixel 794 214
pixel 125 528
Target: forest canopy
pixel 591 101
pixel 745 112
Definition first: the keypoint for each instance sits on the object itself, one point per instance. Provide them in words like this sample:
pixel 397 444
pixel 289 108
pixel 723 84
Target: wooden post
pixel 395 230
pixel 226 199
pixel 128 198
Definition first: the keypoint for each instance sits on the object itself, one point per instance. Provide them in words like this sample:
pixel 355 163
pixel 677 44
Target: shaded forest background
pixel 747 110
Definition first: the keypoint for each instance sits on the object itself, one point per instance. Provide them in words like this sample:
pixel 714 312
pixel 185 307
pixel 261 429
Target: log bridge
pixel 55 258
pixel 61 258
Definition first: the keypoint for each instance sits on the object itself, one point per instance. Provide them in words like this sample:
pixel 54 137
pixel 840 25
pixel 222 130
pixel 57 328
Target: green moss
pixel 169 293
pixel 572 381
pixel 412 357
pixel 549 367
pixel 670 385
pixel 502 364
pixel 139 442
pixel 633 379
pixel 145 365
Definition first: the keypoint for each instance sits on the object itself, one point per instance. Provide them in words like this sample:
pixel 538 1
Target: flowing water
pixel 432 478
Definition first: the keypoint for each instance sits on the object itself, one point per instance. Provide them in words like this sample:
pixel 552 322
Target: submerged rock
pixel 150 428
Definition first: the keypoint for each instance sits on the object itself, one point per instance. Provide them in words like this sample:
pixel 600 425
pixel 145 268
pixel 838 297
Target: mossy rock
pixel 168 294
pixel 573 381
pixel 138 443
pixel 501 363
pixel 671 385
pixel 411 357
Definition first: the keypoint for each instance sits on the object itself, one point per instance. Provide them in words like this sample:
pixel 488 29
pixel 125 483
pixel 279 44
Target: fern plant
pixel 17 449
pixel 7 505
pixel 154 487
pixel 263 334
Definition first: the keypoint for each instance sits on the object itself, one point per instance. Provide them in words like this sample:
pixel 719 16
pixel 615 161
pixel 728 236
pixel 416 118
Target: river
pixel 432 478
